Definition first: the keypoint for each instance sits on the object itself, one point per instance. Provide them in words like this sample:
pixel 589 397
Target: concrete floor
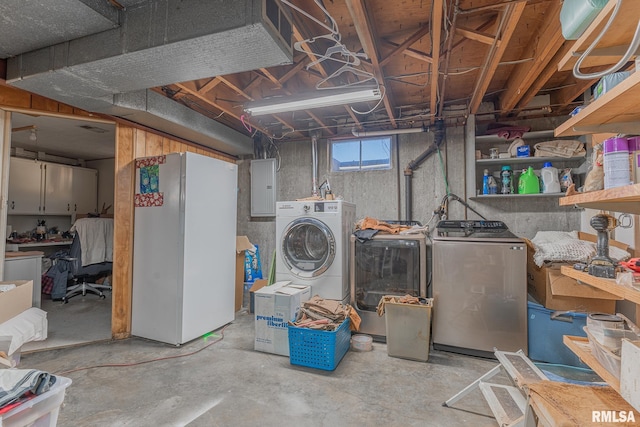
pixel 68 322
pixel 230 384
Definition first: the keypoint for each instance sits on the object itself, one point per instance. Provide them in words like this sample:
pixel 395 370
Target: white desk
pixel 26 267
pixel 41 244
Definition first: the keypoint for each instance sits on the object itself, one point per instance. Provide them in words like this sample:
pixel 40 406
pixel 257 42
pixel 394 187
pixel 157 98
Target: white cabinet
pixel 25 183
pixel 57 189
pixel 84 190
pixel 43 188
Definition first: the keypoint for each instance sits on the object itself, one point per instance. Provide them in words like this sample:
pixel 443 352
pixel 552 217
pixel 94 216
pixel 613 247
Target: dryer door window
pixel 308 247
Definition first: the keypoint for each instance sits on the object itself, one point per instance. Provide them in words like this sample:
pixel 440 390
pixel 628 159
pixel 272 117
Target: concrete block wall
pixel 381 194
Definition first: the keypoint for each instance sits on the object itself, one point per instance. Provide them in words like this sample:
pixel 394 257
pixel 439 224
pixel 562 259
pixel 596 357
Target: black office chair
pixel 84 277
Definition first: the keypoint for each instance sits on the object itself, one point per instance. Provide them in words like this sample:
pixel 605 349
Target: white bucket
pixel 361 342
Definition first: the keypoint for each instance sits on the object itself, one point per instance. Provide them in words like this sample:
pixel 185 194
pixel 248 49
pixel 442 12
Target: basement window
pixel 361 154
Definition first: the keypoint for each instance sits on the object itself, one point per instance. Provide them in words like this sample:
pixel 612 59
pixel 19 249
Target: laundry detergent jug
pixel 528 182
pixel 550 179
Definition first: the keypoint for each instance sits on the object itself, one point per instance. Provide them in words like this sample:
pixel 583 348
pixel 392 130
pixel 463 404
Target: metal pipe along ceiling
pixel 314 161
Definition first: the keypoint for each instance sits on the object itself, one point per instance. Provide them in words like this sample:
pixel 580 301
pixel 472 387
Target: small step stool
pixel 508 403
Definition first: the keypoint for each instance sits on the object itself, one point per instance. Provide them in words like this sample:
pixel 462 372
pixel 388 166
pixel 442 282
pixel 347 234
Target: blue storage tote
pixel 318 349
pixel 545 331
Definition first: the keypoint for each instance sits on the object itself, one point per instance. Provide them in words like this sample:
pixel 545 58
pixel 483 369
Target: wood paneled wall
pixel 131 142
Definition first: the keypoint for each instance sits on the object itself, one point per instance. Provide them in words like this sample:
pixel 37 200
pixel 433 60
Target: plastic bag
pixel 565 179
pixel 595 177
pixel 252 265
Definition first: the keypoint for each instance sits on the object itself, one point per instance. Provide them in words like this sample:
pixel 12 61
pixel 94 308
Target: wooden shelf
pixel 526 160
pixel 608 285
pixel 526 136
pixel 581 347
pixel 616 111
pixel 619 199
pixel 514 196
pixel 616 39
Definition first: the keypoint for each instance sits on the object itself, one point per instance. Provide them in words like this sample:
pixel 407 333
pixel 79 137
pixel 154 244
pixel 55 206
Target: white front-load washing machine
pixel 313 245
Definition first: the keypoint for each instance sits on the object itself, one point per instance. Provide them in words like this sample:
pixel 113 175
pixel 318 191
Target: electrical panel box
pixel 263 187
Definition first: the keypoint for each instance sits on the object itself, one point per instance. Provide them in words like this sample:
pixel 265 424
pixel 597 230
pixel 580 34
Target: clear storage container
pixel 40 411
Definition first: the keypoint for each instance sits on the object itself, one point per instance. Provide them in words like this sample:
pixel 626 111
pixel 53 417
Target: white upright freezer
pixel 184 246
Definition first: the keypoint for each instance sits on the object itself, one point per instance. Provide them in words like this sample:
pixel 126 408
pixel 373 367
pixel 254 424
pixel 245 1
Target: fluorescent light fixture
pixel 324 98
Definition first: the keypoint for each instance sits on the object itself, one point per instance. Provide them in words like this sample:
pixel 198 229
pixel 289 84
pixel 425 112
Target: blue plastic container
pixel 318 349
pixel 546 328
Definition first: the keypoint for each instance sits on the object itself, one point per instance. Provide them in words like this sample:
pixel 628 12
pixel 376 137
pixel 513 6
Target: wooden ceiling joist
pixel 542 79
pixel 411 52
pixel 299 35
pixel 366 33
pixel 509 20
pixel 542 49
pixel 436 24
pixel 197 94
pixel 271 77
pixel 292 72
pixel 475 35
pixel 486 24
pixel 210 85
pixel 447 56
pixel 573 89
pixel 405 45
pixel 235 87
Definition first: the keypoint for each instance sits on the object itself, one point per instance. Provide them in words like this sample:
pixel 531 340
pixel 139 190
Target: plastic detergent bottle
pixel 493 185
pixel 528 182
pixel 485 182
pixel 506 175
pixel 550 179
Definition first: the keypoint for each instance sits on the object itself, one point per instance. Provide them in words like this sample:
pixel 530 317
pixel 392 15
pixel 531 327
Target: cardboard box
pixel 556 291
pixel 17 300
pixel 275 306
pixel 242 244
pixel 257 285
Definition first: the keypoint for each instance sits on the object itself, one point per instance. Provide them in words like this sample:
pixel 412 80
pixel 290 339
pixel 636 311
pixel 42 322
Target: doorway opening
pixel 80 153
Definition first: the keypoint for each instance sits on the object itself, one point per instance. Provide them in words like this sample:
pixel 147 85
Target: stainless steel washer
pixel 479 288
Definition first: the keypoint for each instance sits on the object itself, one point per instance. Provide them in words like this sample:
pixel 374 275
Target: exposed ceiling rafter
pixel 542 48
pixel 299 34
pixel 401 48
pixel 411 52
pixel 476 35
pixel 436 24
pixel 449 41
pixel 367 34
pixel 542 79
pixel 508 22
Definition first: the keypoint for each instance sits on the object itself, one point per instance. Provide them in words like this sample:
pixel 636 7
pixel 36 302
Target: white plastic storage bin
pixel 41 411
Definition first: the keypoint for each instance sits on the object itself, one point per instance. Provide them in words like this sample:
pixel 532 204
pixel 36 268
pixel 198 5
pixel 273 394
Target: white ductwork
pixel 156 43
pixel 363 134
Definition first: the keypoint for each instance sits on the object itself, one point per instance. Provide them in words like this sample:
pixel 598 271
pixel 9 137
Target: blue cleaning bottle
pixel 485 182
